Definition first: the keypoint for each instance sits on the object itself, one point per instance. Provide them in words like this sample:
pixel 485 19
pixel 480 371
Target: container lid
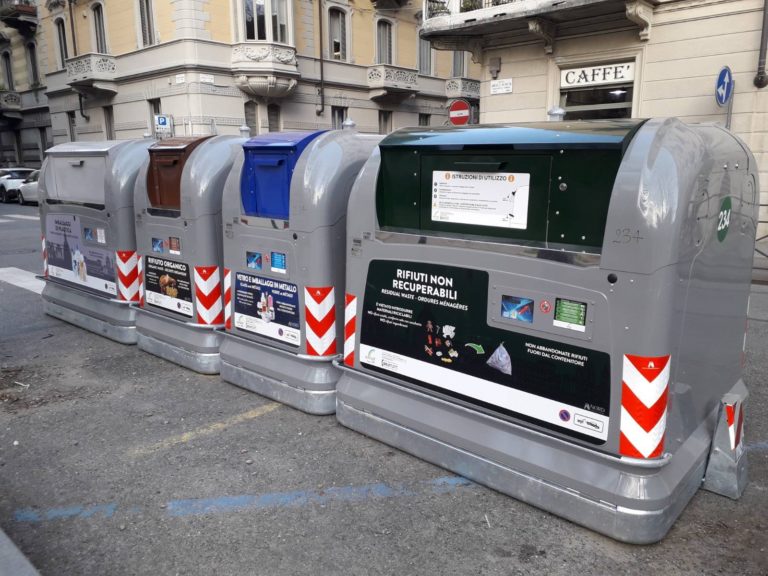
pixel 278 140
pixel 96 148
pixel 179 142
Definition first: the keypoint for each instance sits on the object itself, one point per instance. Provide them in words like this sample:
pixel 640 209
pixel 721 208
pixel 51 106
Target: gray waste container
pixel 89 244
pixel 555 310
pixel 284 218
pixel 177 203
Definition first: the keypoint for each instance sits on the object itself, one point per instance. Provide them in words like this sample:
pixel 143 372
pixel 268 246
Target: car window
pixel 32 177
pixel 19 174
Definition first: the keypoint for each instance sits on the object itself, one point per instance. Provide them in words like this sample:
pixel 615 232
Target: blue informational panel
pixel 724 86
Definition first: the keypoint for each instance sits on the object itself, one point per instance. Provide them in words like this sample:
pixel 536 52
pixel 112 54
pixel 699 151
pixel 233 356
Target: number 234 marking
pixel 626 236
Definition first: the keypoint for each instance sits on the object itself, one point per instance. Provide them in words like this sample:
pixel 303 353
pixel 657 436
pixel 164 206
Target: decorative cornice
pixel 264 53
pixel 545 30
pixel 641 13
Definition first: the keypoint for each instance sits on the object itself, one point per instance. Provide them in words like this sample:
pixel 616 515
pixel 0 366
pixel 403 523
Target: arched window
pixel 383 42
pixel 7 71
pixel 147 22
pixel 267 20
pixel 337 34
pixel 98 29
pixel 61 40
pixel 34 71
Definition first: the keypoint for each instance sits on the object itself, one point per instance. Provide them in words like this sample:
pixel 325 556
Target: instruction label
pixel 267 307
pixel 167 285
pixel 427 324
pixel 71 260
pixel 496 199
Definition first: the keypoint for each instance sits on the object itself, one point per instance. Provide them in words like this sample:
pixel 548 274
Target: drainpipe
pixel 82 109
pixel 320 108
pixel 72 27
pixel 761 79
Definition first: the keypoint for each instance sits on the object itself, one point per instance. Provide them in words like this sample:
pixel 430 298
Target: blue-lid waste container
pixel 89 244
pixel 284 218
pixel 177 201
pixel 557 311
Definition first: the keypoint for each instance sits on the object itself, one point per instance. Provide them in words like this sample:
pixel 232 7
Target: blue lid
pixel 265 182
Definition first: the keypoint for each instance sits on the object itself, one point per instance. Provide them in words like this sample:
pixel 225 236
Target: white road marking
pixel 22 279
pixel 3 221
pixel 23 216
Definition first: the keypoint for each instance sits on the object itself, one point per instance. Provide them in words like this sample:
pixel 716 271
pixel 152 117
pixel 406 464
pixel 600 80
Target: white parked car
pixel 28 188
pixel 10 180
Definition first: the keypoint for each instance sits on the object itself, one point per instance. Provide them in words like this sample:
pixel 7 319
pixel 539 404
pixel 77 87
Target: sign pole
pixel 729 114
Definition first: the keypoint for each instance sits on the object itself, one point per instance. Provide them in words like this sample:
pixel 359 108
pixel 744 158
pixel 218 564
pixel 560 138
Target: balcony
pixel 475 25
pixel 19 14
pixel 92 74
pixel 10 105
pixel 265 69
pixel 462 88
pixel 386 81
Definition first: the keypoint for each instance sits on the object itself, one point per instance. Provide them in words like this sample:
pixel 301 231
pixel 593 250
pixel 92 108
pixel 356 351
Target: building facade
pixel 615 59
pixel 214 65
pixel 25 125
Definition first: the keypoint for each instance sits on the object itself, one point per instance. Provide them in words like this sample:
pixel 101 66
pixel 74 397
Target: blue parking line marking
pixel 269 500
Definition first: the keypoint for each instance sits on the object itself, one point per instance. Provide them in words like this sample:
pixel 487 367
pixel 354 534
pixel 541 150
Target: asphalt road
pixel 115 462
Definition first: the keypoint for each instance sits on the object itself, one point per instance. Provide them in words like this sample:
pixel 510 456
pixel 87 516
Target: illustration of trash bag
pixel 500 360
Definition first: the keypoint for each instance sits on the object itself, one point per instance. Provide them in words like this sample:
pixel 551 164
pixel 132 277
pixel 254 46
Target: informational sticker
pixel 427 324
pixel 88 234
pixel 254 260
pixel 174 246
pixel 724 218
pixel 267 307
pixel 69 259
pixel 279 262
pixel 570 315
pixel 517 308
pixel 101 236
pixel 168 285
pixel 158 245
pixel 496 199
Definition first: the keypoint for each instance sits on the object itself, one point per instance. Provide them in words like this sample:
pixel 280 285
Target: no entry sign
pixel 458 113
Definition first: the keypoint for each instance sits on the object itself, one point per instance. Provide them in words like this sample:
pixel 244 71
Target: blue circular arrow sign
pixel 724 86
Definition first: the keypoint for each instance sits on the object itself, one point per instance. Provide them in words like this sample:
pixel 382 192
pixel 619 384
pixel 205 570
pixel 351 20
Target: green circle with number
pixel 724 218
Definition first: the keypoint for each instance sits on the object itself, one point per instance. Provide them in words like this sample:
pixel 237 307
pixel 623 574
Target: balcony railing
pixel 393 78
pixel 19 14
pixel 10 101
pixel 462 88
pixel 92 72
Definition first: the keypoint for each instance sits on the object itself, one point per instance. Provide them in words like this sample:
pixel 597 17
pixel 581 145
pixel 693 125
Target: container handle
pixel 481 165
pixel 76 163
pixel 167 161
pixel 262 161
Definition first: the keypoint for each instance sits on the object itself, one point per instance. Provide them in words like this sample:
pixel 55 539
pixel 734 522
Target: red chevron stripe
pixel 349 359
pixel 128 279
pixel 646 417
pixel 208 300
pixel 643 365
pixel 626 448
pixel 319 294
pixel 218 320
pixel 206 272
pixel 349 328
pixel 328 352
pixel 740 426
pixel 320 327
pixel 125 255
pixel 730 413
pixel 348 298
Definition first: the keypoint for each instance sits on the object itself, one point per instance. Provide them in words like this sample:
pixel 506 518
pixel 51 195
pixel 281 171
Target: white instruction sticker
pixel 497 199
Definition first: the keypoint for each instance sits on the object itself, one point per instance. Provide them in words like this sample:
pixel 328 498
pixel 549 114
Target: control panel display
pixel 517 308
pixel 279 262
pixel 570 314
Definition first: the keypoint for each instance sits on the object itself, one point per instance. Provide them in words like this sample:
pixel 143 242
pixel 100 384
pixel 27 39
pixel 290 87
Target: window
pixel 425 57
pixel 597 92
pixel 457 70
pixel 259 26
pixel 98 29
pixel 251 118
pixel 147 22
pixel 383 42
pixel 34 71
pixel 7 71
pixel 338 115
pixel 337 34
pixel 109 122
pixel 385 121
pixel 72 126
pixel 61 39
pixel 273 118
pixel 424 119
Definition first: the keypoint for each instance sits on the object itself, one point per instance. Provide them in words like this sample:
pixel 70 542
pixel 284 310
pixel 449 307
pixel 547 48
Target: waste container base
pixel 374 408
pixel 307 385
pixel 91 312
pixel 191 347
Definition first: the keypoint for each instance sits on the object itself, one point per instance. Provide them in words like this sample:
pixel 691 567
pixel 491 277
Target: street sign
pixel 163 124
pixel 458 112
pixel 724 87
